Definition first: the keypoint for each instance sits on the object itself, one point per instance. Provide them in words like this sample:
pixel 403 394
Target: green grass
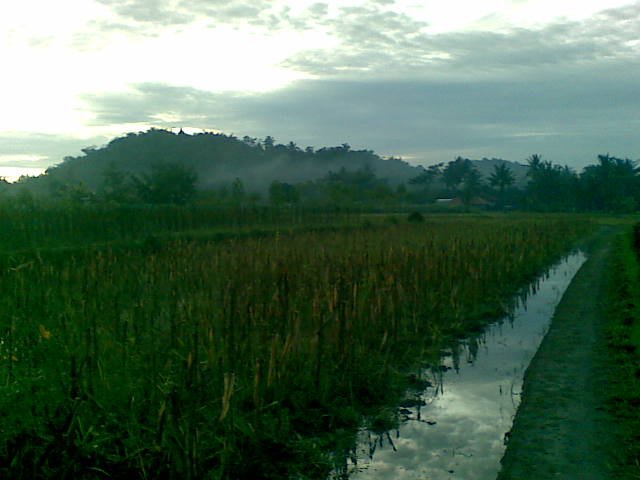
pixel 183 355
pixel 53 226
pixel 624 342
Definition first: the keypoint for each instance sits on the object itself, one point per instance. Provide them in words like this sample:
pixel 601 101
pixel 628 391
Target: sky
pixel 423 80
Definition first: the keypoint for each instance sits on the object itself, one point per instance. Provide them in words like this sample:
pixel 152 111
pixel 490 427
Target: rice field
pixel 239 358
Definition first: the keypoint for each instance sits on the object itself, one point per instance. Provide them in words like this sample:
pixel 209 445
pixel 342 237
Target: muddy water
pixel 456 427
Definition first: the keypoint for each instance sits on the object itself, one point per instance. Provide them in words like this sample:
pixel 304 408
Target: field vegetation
pixel 200 355
pixel 36 225
pixel 624 342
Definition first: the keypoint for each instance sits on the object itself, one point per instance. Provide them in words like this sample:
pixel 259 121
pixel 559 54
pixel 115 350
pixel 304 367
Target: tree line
pixel 610 185
pixel 159 167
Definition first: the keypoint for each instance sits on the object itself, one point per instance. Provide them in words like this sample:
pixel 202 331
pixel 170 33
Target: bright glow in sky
pixel 11 174
pixel 49 73
pixel 58 63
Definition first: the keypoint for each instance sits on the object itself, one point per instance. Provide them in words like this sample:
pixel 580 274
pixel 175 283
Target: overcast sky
pixel 425 80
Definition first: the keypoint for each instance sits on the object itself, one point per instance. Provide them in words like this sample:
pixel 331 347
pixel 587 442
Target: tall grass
pixel 26 226
pixel 623 392
pixel 191 359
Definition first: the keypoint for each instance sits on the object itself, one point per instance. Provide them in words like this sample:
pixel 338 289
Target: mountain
pixel 219 159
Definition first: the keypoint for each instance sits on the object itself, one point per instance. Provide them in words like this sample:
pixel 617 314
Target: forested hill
pixel 218 159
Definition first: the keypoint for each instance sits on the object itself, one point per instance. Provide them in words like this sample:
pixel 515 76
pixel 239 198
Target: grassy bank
pixel 624 342
pixel 238 358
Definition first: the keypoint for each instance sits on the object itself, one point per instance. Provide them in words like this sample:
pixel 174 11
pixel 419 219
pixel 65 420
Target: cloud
pixel 41 150
pixel 150 11
pixel 567 90
pixel 376 40
pixel 569 117
pixel 143 19
pixel 155 104
pixel 379 38
pixel 372 39
pixel 318 10
pixel 154 14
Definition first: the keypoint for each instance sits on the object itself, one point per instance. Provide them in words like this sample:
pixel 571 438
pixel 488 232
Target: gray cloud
pixel 569 117
pixel 378 41
pixel 44 149
pixel 148 102
pixel 318 10
pixel 568 91
pixel 154 11
pixel 374 40
pixel 151 15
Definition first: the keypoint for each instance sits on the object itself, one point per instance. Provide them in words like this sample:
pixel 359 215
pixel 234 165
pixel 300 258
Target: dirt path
pixel 561 429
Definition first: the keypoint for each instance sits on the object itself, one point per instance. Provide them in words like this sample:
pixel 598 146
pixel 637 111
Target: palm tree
pixel 534 160
pixel 501 178
pixel 471 185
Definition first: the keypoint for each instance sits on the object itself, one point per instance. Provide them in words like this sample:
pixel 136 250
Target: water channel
pixel 455 429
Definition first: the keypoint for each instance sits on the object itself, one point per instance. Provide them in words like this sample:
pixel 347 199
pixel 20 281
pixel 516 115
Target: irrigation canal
pixel 456 428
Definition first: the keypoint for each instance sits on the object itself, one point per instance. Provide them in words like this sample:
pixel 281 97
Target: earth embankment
pixel 562 428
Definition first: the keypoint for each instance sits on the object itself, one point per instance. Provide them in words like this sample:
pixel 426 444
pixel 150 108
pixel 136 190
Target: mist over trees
pixel 219 159
pixel 161 167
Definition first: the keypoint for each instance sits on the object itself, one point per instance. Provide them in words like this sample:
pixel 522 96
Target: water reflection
pixel 456 427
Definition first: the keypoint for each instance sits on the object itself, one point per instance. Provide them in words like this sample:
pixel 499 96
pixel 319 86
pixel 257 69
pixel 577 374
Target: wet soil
pixel 562 428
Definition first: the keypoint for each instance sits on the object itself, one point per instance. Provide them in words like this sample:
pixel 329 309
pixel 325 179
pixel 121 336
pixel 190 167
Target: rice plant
pixel 234 359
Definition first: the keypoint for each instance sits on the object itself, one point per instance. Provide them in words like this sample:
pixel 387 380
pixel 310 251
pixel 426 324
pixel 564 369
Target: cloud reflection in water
pixel 460 432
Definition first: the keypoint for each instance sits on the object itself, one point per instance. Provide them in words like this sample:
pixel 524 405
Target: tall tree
pixel 428 176
pixel 550 187
pixel 471 185
pixel 268 142
pixel 501 178
pixel 455 172
pixel 611 185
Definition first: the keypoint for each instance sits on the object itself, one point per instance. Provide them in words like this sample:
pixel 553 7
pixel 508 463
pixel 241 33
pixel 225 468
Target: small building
pixel 459 202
